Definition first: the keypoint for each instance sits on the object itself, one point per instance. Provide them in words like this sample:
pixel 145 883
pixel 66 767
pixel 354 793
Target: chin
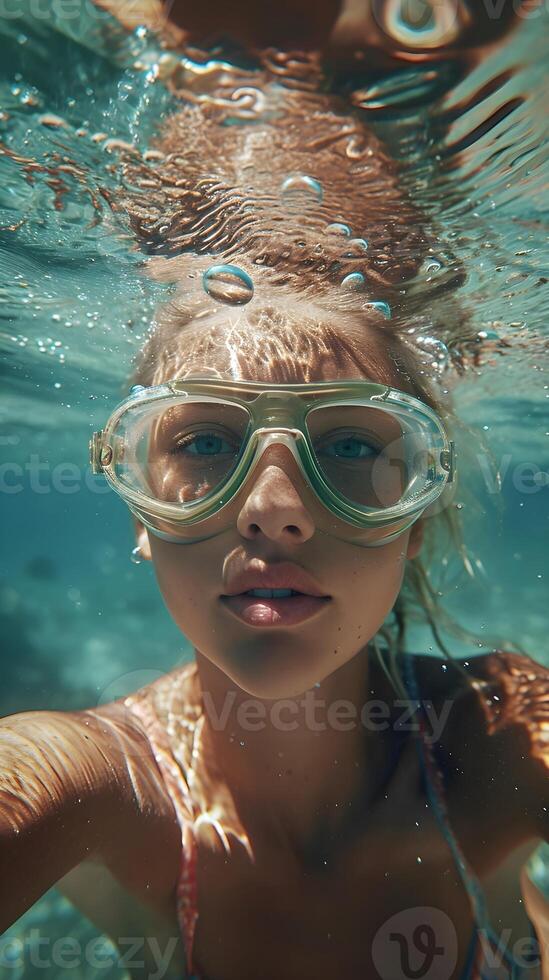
pixel 274 688
pixel 272 674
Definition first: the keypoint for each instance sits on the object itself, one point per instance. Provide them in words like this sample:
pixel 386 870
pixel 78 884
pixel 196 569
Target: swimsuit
pixel 485 948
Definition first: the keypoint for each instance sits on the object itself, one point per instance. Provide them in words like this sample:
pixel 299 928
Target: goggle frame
pixel 284 407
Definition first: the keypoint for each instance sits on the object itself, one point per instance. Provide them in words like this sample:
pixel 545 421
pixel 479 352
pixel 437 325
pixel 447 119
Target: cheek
pixel 182 579
pixel 374 579
pixel 377 573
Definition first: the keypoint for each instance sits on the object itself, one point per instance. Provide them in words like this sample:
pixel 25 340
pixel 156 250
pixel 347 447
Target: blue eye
pixel 205 444
pixel 350 447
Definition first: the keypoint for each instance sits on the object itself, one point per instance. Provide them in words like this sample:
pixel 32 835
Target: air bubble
pixel 302 185
pixel 355 280
pixel 356 248
pixel 382 307
pixel 338 229
pixel 228 284
pixel 431 266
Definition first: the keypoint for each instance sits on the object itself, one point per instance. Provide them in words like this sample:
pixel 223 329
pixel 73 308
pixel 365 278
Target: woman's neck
pixel 301 769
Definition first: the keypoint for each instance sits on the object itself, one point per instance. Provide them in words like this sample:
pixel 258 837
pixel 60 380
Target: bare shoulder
pixel 517 687
pixel 502 716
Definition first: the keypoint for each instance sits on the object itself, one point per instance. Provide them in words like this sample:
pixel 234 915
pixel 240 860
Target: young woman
pixel 309 798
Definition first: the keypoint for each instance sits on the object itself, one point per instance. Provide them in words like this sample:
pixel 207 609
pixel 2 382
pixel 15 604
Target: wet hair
pixel 212 193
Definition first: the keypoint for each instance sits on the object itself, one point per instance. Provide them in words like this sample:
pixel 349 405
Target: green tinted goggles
pixel 181 454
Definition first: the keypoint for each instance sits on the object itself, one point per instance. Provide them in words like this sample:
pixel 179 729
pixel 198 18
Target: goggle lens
pixel 183 453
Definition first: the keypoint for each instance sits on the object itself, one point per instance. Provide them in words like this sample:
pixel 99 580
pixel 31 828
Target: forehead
pixel 286 351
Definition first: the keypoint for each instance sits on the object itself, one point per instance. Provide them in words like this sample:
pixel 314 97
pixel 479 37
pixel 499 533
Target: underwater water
pixel 82 624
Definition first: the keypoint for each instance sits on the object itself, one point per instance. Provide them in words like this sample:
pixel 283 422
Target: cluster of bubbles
pixel 44 345
pixel 231 285
pixel 354 248
pixel 436 350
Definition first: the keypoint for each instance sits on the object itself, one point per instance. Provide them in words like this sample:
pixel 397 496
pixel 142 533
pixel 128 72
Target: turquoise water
pixel 81 624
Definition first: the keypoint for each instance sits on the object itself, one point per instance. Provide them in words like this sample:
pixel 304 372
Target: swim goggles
pixel 180 453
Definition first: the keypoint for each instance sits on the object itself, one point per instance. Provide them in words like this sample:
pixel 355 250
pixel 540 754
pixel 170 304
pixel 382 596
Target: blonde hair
pixel 197 204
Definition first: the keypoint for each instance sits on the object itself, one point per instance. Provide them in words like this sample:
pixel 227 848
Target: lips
pixel 273 611
pixel 256 574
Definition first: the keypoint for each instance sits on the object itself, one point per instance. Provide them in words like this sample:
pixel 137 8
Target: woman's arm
pixel 77 785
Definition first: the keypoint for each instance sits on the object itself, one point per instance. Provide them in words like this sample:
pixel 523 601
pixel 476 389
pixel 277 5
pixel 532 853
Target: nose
pixel 273 507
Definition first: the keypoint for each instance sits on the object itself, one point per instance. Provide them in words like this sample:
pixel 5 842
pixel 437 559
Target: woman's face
pixel 276 518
